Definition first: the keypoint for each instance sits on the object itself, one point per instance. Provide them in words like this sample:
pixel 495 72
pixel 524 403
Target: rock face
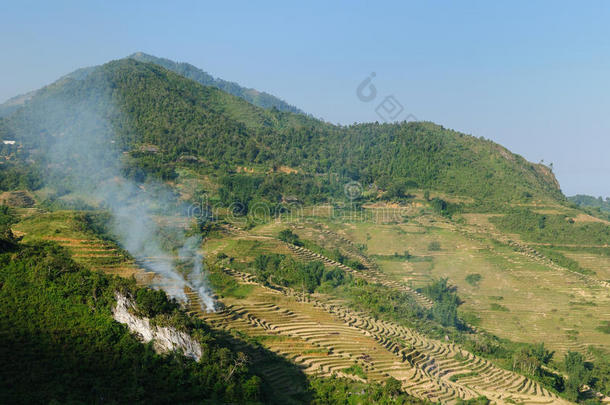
pixel 165 339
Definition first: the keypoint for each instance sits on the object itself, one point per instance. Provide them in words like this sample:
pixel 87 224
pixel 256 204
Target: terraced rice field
pixel 522 295
pixel 596 262
pixel 89 250
pixel 323 337
pixel 543 302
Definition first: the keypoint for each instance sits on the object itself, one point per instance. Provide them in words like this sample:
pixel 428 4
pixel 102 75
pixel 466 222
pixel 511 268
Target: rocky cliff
pixel 165 339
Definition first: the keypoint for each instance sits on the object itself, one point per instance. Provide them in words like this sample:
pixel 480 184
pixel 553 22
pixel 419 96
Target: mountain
pixel 14 103
pixel 150 105
pixel 258 98
pixel 189 71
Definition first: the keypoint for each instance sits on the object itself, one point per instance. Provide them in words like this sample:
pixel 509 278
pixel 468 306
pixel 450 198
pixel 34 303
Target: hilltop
pixel 258 98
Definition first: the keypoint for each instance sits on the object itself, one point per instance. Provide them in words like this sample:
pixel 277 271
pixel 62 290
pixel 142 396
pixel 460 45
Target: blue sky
pixel 531 75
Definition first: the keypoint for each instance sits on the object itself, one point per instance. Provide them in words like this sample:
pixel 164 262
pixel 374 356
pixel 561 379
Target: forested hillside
pixel 591 202
pixel 58 335
pixel 166 120
pixel 258 98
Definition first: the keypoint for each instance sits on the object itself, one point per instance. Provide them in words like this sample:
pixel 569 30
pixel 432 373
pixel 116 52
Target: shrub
pixel 497 307
pixel 153 302
pixel 604 327
pixel 356 370
pixel 290 237
pixel 446 300
pixel 474 279
pixel 434 246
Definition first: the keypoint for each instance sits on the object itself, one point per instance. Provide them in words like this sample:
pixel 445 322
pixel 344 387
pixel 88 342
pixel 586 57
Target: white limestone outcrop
pixel 165 339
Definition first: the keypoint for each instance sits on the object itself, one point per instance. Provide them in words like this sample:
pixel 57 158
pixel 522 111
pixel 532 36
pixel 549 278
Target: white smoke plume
pixel 83 157
pixel 190 253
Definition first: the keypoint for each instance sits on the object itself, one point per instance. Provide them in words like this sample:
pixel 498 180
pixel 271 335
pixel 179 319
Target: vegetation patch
pixel 285 271
pixel 549 228
pixel 226 286
pixel 434 246
pixel 583 303
pixel 446 303
pixel 474 279
pixel 356 370
pixel 497 307
pixel 604 327
pixel 394 257
pixel 482 400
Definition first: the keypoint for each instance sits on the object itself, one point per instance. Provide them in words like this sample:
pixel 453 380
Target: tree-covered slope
pixel 590 201
pixel 189 71
pixel 258 98
pixel 60 344
pixel 145 105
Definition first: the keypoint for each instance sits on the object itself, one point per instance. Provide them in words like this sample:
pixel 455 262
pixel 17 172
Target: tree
pixel 524 362
pixel 434 246
pixel 392 387
pixel 577 374
pixel 7 238
pixel 239 363
pixel 290 237
pixel 542 354
pixel 252 388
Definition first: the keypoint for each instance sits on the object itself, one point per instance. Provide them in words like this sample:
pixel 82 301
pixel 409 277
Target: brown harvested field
pixel 586 218
pixel 538 303
pixel 598 263
pixel 323 337
pixel 518 297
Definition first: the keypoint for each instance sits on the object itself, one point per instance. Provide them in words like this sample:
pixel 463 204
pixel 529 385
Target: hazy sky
pixel 531 75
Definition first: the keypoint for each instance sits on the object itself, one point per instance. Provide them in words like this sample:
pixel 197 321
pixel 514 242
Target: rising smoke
pixel 81 154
